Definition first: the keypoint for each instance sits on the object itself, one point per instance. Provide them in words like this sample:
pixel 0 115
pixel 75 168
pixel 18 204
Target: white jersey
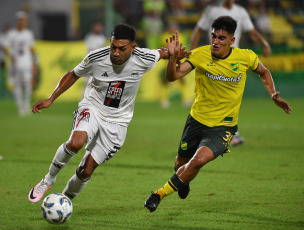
pixel 20 44
pixel 113 88
pixel 237 12
pixel 94 41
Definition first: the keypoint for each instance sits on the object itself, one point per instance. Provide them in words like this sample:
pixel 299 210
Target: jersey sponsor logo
pixel 223 78
pixel 105 74
pixel 135 73
pixel 184 145
pixel 234 66
pixel 114 94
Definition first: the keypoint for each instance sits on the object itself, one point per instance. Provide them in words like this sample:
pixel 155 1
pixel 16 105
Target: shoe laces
pixel 41 187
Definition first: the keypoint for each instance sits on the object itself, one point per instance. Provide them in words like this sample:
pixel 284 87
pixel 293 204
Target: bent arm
pixel 268 83
pixel 174 72
pixel 257 37
pixel 195 37
pixel 65 83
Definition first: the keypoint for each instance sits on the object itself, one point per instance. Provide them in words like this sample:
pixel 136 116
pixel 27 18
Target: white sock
pixel 61 158
pixel 74 186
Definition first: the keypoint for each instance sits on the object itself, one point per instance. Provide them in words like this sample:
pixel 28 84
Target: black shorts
pixel 196 134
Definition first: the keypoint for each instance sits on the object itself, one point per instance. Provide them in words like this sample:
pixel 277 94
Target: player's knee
pixel 74 145
pixel 199 162
pixel 180 161
pixel 84 173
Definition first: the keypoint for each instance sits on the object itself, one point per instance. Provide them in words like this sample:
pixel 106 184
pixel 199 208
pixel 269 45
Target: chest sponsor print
pixel 114 94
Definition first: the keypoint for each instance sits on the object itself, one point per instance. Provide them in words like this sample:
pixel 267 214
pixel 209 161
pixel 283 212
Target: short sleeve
pixel 83 69
pixel 146 57
pixel 253 60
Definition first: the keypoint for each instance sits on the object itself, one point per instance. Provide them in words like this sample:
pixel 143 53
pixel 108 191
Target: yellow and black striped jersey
pixel 219 84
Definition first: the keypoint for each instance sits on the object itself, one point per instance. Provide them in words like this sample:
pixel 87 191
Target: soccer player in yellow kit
pixel 220 76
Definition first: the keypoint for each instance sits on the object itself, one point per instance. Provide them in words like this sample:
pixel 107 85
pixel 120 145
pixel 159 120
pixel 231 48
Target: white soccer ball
pixel 56 208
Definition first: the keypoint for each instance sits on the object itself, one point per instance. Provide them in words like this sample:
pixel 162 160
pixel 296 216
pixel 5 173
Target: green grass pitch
pixel 259 185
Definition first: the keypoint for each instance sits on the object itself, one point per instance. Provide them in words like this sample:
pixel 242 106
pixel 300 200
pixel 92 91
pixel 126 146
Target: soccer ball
pixel 56 208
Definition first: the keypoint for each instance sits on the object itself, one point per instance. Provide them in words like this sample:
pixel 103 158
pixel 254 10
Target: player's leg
pixel 82 176
pixel 180 161
pixel 100 149
pixel 62 157
pixel 237 139
pixel 83 126
pixel 214 143
pixel 65 153
pixel 17 92
pixel 27 95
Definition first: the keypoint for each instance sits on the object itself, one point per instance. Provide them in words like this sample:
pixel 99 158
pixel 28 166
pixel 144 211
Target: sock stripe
pixel 172 185
pixel 66 150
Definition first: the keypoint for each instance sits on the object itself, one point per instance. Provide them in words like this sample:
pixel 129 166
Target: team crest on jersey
pixel 234 66
pixel 114 93
pixel 86 61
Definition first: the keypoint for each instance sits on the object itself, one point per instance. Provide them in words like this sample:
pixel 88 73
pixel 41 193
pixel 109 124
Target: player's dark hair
pixel 225 23
pixel 123 31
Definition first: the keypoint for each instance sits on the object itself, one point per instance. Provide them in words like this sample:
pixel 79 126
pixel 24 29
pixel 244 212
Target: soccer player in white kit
pixel 20 46
pixel 103 115
pixel 238 13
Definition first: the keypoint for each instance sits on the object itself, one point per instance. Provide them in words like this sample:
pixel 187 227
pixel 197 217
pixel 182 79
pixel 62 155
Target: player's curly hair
pixel 225 23
pixel 123 31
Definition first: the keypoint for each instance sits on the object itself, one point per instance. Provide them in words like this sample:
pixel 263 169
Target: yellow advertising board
pixel 55 59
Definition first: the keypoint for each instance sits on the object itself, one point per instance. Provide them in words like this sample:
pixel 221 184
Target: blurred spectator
pixel 130 10
pixel 200 5
pixel 152 22
pixel 165 103
pixel 228 7
pixel 95 39
pixel 3 42
pixel 175 7
pixel 20 48
pixel 262 20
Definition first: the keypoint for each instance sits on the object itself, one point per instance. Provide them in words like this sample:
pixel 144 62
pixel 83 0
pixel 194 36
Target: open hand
pixel 281 103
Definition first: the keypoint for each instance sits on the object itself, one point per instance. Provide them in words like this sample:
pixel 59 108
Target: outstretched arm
pixel 173 71
pixel 65 83
pixel 257 37
pixel 267 80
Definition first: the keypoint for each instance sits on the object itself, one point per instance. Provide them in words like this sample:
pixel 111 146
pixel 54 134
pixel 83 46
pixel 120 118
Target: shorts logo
pixel 114 94
pixel 80 116
pixel 183 145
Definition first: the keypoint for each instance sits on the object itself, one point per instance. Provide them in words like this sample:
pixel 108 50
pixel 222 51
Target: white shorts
pixel 104 138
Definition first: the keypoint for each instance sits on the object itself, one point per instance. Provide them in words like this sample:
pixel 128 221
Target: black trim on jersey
pixel 225 56
pixel 257 67
pixel 99 54
pixel 146 56
pixel 190 64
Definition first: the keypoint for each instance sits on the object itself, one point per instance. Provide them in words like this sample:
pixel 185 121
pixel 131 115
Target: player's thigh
pixel 218 139
pixel 190 138
pixel 107 143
